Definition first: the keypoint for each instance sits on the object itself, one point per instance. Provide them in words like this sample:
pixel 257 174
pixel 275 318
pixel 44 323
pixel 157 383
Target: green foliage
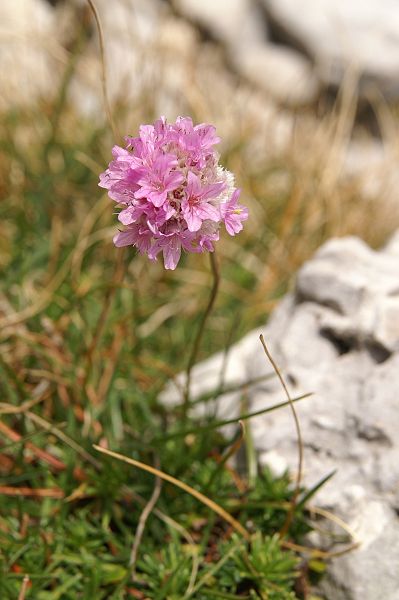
pixel 242 570
pixel 166 574
pixel 264 568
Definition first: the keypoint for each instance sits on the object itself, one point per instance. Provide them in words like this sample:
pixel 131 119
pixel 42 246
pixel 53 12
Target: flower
pixel 233 214
pixel 173 192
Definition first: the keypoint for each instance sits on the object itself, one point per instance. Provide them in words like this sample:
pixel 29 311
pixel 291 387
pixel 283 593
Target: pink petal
pixel 233 227
pixel 125 238
pixel 213 190
pixel 193 185
pixel 157 198
pixel 173 180
pixel 207 211
pixel 171 253
pixel 126 217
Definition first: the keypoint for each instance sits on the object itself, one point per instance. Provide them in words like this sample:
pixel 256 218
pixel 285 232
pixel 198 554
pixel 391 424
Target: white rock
pixel 235 22
pixel 371 571
pixel 280 71
pixel 336 336
pixel 29 52
pixel 276 463
pixel 369 523
pixel 392 246
pixel 361 286
pixel 374 164
pixel 340 34
pixel 241 26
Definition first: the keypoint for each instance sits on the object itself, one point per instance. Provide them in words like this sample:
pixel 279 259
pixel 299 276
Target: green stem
pixel 200 332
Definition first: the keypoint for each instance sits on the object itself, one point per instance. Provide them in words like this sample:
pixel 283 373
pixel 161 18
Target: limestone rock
pixel 240 24
pixel 235 22
pixel 337 336
pixel 339 34
pixel 29 52
pixel 374 164
pixel 282 72
pixel 371 572
pixel 363 288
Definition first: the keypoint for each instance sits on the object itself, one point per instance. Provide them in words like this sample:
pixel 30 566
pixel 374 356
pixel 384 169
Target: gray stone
pixel 234 22
pixel 240 25
pixel 361 286
pixel 337 336
pixel 339 35
pixel 282 72
pixel 374 164
pixel 29 52
pixel 371 572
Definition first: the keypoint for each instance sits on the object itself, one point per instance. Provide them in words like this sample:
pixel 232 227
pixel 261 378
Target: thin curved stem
pixel 290 514
pixel 183 486
pixel 149 507
pixel 201 329
pixel 107 103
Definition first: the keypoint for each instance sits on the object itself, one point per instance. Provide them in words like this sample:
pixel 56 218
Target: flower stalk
pixel 200 332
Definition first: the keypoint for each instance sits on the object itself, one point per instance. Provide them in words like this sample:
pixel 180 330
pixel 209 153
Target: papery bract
pixel 175 193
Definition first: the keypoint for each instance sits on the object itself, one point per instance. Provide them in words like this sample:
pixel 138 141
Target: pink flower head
pixel 174 193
